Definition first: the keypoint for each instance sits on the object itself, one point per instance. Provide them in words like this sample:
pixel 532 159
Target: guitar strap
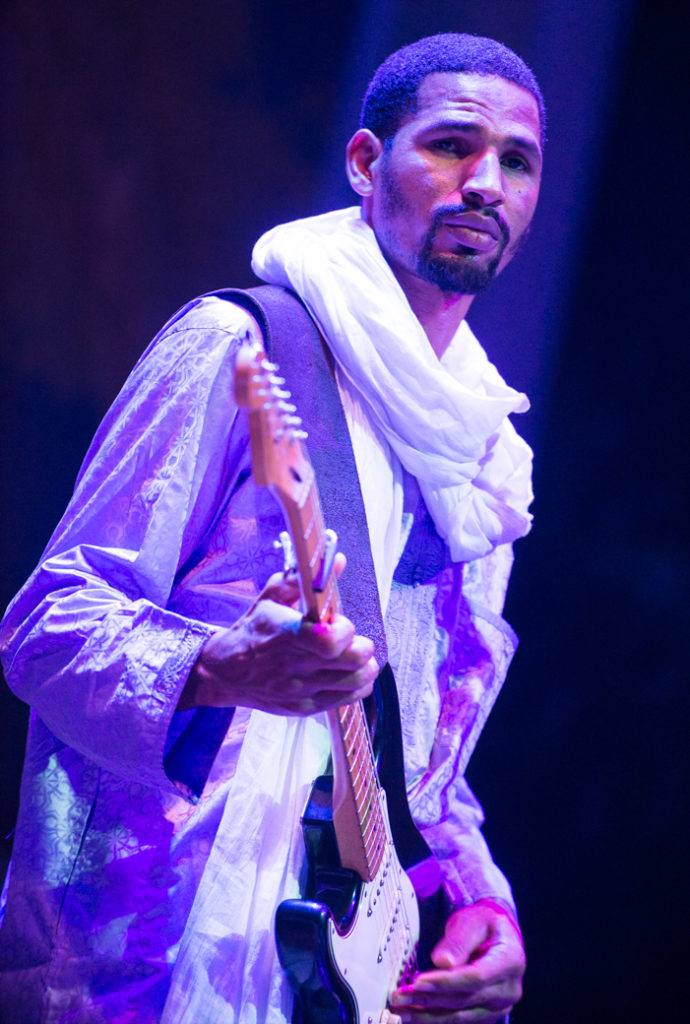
pixel 294 342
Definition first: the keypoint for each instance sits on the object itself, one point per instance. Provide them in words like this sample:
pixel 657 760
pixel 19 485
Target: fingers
pixel 300 697
pixel 281 587
pixel 464 939
pixel 274 660
pixel 328 639
pixel 488 1005
pixel 481 933
pixel 309 696
pixel 480 963
pixel 334 643
pixel 284 587
pixel 461 989
pixel 320 686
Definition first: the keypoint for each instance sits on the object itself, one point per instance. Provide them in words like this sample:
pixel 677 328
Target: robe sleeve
pixel 89 642
pixel 469 661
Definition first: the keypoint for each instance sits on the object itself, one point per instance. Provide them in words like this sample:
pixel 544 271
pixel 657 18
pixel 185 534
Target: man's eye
pixel 515 163
pixel 447 145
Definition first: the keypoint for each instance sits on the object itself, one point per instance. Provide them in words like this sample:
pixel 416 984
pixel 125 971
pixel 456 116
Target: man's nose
pixel 484 182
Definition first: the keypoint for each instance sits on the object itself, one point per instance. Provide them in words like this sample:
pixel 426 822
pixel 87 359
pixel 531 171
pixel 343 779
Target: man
pixel 144 888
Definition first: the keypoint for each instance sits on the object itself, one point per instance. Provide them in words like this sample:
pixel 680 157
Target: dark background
pixel 146 145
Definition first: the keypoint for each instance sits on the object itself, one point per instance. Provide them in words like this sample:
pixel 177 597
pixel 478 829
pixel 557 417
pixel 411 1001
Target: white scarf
pixel 446 420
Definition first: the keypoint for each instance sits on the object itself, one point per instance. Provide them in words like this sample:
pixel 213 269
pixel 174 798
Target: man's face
pixel 454 194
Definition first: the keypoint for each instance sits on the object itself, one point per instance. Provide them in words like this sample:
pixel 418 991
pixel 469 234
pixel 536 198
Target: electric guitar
pixel 353 939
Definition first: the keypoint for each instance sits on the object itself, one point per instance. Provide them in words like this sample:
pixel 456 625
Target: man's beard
pixel 459 272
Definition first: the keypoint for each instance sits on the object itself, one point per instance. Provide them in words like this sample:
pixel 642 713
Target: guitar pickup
pixel 326 568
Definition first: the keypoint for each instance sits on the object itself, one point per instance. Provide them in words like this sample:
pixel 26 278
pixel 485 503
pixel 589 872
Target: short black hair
pixel 392 92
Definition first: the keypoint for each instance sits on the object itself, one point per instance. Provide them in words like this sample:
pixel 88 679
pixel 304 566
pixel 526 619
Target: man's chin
pixel 460 274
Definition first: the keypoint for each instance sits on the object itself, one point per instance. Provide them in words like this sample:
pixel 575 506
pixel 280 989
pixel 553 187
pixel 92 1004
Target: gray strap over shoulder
pixel 294 342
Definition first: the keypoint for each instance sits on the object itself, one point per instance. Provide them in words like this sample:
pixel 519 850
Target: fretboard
pixel 359 824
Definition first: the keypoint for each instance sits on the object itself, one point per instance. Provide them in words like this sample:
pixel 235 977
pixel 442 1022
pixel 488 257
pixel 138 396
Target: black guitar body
pixel 302 925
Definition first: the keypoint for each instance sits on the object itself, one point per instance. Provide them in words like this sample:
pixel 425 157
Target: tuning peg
pixel 284 544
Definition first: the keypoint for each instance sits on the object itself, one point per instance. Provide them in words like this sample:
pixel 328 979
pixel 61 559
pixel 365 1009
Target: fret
pixel 349 728
pixel 369 808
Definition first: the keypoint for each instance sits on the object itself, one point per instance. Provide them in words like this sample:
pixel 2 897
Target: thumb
pixel 464 940
pixel 283 588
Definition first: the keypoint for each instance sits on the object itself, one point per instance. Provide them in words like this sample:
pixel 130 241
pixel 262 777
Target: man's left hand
pixel 480 961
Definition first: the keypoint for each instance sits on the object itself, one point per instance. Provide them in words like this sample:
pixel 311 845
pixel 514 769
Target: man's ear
pixel 363 150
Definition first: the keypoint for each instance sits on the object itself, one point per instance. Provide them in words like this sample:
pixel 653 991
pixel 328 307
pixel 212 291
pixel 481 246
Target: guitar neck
pixel 305 519
pixel 359 824
pixel 280 461
pixel 357 817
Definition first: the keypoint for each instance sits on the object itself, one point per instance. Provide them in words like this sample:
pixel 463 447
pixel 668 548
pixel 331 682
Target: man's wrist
pixel 195 691
pixel 500 904
pixel 503 907
pixel 188 697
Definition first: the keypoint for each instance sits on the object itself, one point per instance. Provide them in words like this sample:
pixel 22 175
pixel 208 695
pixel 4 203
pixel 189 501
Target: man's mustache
pixel 454 209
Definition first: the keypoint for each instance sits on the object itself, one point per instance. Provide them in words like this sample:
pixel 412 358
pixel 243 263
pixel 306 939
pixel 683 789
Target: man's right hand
pixel 273 660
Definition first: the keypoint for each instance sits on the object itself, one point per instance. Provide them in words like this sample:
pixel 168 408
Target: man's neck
pixel 439 313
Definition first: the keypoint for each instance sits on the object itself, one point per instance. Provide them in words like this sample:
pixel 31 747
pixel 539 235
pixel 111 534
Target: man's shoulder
pixel 208 312
pixel 194 344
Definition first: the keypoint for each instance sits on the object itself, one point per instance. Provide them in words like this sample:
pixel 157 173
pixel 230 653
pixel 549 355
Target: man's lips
pixel 474 230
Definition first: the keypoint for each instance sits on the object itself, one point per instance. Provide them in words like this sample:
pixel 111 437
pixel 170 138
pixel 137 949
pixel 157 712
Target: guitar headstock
pixel 279 459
